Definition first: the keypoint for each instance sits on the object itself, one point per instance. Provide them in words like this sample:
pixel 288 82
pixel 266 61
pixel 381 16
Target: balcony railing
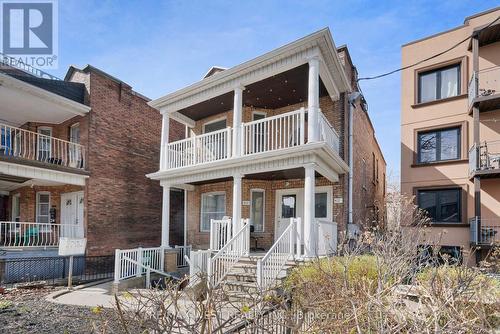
pixel 21 143
pixel 265 135
pixel 22 234
pixel 485 82
pixel 486 157
pixel 489 231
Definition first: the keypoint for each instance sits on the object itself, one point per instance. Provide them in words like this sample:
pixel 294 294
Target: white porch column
pixel 313 100
pixel 237 116
pixel 308 221
pixel 236 201
pixel 165 127
pixel 165 217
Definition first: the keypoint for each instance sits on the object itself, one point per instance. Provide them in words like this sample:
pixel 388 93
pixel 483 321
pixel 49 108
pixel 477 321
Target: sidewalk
pixel 95 295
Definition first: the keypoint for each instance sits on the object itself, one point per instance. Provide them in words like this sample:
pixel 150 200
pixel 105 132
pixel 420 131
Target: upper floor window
pixel 439 84
pixel 439 145
pixel 441 205
pixel 214 126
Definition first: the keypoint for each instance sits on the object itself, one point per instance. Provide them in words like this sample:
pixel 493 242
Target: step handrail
pixel 223 261
pixel 269 267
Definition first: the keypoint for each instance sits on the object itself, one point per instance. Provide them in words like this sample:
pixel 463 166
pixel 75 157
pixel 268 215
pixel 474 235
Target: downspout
pixel 353 98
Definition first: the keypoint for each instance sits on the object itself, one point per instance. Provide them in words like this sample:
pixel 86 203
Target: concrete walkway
pixel 94 295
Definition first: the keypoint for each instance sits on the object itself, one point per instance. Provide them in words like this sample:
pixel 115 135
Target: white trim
pixel 263 191
pixel 74 107
pixel 201 207
pixel 42 173
pixel 220 119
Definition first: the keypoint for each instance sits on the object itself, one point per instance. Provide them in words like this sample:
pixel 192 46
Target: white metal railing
pixel 328 133
pixel 327 237
pixel 198 264
pixel 223 261
pixel 21 143
pixel 274 133
pixel 283 250
pixel 208 147
pixel 489 230
pixel 182 253
pixel 133 262
pixel 220 233
pixel 486 157
pixel 29 234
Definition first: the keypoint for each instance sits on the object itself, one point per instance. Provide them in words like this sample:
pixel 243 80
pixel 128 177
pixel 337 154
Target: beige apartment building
pixel 450 133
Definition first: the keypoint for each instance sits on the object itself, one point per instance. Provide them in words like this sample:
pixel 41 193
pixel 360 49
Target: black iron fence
pixel 55 270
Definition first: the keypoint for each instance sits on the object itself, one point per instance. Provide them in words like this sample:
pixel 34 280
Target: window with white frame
pixel 257 209
pixel 43 207
pixel 213 206
pixel 44 143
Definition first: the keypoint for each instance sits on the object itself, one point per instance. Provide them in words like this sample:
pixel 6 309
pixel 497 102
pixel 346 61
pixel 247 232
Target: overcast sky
pixel 160 46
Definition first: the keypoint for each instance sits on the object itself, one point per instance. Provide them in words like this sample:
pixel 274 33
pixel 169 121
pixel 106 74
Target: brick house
pixel 74 153
pixel 267 152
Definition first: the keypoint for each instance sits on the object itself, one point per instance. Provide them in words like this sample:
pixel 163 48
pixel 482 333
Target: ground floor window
pixel 213 206
pixel 257 210
pixel 441 205
pixel 321 205
pixel 42 207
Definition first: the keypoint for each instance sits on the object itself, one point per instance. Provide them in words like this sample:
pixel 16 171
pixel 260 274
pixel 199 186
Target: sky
pixel 160 46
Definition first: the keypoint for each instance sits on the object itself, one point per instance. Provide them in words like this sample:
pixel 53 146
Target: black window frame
pixel 438 204
pixel 438 82
pixel 438 144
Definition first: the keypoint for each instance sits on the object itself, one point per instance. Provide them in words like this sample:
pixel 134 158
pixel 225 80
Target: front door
pixel 72 214
pixel 289 205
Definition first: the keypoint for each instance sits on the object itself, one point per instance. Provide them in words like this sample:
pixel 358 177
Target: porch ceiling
pixel 11 182
pixel 286 174
pixel 487 35
pixel 281 90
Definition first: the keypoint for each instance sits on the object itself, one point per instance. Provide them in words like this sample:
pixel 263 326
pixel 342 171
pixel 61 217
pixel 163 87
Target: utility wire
pixel 431 57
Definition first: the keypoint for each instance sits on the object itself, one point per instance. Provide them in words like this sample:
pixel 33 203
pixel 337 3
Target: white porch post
pixel 165 127
pixel 237 116
pixel 165 217
pixel 309 236
pixel 236 202
pixel 313 100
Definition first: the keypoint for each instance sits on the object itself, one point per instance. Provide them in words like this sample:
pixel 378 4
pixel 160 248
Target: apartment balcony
pixel 484 89
pixel 264 137
pixel 484 231
pixel 484 160
pixel 27 147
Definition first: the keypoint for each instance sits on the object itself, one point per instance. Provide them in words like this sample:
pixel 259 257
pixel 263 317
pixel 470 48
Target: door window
pixel 43 208
pixel 215 144
pixel 288 206
pixel 257 210
pixel 44 140
pixel 259 135
pixel 16 207
pixel 321 205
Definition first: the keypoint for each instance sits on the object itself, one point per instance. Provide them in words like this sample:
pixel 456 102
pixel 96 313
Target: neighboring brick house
pixel 74 156
pixel 253 152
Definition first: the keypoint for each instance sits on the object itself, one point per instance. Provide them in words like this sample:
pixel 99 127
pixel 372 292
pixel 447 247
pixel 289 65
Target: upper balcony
pixel 267 135
pixel 484 89
pixel 484 160
pixel 484 231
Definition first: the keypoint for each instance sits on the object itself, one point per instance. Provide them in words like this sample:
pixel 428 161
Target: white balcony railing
pixel 274 133
pixel 489 231
pixel 486 157
pixel 22 234
pixel 485 82
pixel 208 147
pixel 265 135
pixel 21 143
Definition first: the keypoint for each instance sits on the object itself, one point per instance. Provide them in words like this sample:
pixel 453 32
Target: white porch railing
pixel 21 143
pixel 28 234
pixel 220 233
pixel 198 263
pixel 283 250
pixel 208 147
pixel 223 261
pixel 327 237
pixel 489 233
pixel 328 133
pixel 133 262
pixel 486 157
pixel 274 133
pixel 182 252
